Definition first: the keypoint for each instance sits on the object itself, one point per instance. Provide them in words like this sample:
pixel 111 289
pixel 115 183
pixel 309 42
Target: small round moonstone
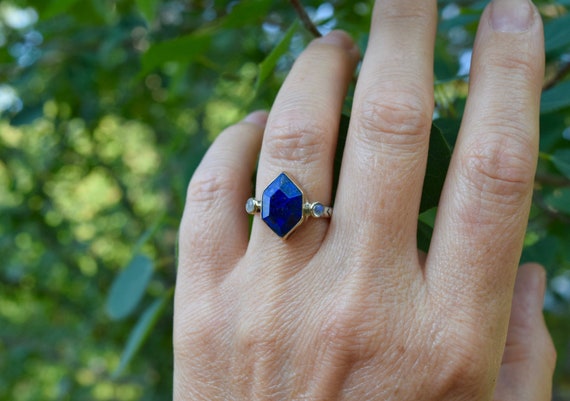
pixel 250 206
pixel 318 210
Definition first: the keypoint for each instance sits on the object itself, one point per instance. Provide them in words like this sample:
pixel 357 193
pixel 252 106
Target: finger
pixel 529 357
pixel 301 132
pixel 385 156
pixel 485 203
pixel 214 228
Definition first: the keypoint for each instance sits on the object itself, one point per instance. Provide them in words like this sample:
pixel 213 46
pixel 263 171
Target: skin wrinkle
pixel 401 121
pixel 295 144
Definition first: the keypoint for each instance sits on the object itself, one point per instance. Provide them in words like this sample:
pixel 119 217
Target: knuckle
pixel 398 118
pixel 211 184
pixel 257 341
pixel 457 353
pixel 466 377
pixel 500 170
pixel 348 331
pixel 293 141
pixel 463 369
pixel 338 328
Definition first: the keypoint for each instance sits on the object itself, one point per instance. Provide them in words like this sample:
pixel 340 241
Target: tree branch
pixel 304 17
pixel 551 180
pixel 559 76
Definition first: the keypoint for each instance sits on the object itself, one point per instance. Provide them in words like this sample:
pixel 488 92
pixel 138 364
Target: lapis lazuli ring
pixel 284 208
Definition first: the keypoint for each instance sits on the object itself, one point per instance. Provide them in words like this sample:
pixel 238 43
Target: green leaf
pixel 424 235
pixel 129 287
pixel 268 65
pixel 426 222
pixel 183 49
pixel 56 7
pixel 561 159
pixel 246 13
pixel 559 200
pixel 439 156
pixel 141 331
pixel 557 33
pixel 555 98
pixel 147 8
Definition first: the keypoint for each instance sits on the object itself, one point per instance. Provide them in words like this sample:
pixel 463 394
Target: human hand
pixel 346 309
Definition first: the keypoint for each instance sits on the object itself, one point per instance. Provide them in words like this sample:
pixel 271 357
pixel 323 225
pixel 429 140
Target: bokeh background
pixel 106 107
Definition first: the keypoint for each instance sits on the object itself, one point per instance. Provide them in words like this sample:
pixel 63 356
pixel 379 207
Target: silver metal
pixel 317 210
pixel 252 206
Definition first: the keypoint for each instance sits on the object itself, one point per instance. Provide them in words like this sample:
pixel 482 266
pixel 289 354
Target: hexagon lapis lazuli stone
pixel 282 205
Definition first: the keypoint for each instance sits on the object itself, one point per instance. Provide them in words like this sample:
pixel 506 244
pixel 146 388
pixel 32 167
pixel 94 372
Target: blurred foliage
pixel 106 107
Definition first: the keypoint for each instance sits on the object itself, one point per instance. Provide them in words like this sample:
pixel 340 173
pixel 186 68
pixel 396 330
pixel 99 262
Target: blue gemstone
pixel 282 205
pixel 318 210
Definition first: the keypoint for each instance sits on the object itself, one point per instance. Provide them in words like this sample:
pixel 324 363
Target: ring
pixel 284 208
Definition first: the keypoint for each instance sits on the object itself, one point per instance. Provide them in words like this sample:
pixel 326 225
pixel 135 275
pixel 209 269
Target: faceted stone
pixel 282 205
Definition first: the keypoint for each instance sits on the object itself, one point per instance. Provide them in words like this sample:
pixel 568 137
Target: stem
pixel 304 17
pixel 560 74
pixel 552 180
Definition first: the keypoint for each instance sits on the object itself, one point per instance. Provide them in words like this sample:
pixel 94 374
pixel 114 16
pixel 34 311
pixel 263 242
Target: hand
pixel 345 309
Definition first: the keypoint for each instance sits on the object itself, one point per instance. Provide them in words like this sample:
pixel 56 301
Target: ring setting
pixel 283 206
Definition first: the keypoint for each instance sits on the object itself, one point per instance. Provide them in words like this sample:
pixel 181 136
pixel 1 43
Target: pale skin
pixel 346 308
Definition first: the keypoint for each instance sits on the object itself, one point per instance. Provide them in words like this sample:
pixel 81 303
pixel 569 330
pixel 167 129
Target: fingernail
pixel 511 15
pixel 257 117
pixel 341 39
